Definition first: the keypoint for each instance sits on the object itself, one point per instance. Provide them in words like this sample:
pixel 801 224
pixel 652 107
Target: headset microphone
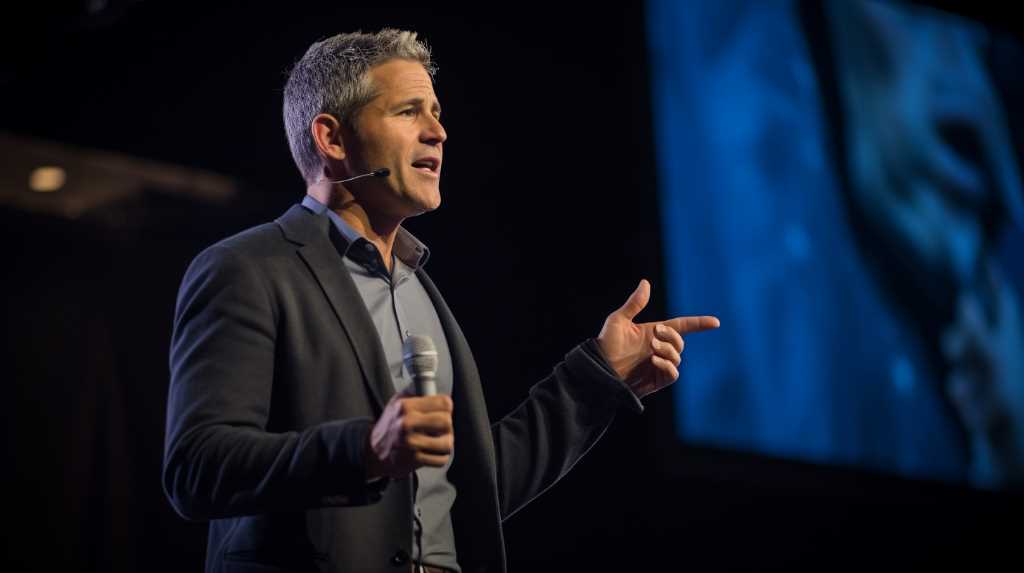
pixel 382 172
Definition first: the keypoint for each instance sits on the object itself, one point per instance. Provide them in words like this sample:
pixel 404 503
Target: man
pixel 290 425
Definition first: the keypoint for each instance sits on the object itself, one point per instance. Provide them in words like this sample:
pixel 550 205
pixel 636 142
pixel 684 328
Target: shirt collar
pixel 408 248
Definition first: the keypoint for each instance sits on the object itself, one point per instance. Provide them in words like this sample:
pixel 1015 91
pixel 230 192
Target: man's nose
pixel 433 132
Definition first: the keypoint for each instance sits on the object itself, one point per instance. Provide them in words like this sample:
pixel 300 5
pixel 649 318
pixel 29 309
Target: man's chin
pixel 427 203
pixel 420 208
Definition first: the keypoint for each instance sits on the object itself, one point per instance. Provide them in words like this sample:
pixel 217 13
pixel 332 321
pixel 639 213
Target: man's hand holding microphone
pixel 415 429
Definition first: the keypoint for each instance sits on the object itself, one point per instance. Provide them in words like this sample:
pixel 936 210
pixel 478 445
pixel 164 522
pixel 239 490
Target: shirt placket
pixel 395 280
pixel 398 277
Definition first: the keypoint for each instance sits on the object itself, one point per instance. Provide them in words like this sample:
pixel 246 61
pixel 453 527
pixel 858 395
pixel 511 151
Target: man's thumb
pixel 636 301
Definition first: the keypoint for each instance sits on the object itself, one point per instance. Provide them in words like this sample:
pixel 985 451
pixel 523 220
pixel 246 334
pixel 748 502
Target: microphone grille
pixel 419 354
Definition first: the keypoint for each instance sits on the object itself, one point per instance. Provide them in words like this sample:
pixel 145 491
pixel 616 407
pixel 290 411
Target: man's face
pixel 399 129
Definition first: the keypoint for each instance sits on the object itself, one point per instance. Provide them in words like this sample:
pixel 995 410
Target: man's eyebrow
pixel 418 101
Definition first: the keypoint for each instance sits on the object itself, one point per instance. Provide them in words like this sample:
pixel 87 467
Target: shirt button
pixel 368 246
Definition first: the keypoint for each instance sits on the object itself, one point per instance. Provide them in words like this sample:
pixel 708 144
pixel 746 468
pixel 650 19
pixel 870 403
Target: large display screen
pixel 840 183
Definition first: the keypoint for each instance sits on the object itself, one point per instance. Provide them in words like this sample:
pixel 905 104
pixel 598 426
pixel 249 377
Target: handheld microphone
pixel 420 359
pixel 382 172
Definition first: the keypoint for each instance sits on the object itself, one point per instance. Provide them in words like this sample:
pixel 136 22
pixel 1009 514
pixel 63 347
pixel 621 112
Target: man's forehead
pixel 402 78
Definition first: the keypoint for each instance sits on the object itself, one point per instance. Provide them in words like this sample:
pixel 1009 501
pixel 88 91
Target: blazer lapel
pixel 467 393
pixel 317 242
pixel 476 514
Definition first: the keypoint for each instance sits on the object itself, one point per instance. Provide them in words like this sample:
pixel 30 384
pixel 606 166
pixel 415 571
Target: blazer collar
pixel 301 226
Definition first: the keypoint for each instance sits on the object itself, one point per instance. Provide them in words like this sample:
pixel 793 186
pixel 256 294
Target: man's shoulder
pixel 262 238
pixel 268 238
pixel 258 245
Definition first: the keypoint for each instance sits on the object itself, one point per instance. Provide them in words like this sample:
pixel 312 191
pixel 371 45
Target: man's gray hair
pixel 333 78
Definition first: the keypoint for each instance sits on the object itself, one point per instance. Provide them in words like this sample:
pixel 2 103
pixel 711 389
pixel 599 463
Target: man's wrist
pixel 592 351
pixel 372 470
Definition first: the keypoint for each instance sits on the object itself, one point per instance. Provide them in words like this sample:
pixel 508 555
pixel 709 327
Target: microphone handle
pixel 425 384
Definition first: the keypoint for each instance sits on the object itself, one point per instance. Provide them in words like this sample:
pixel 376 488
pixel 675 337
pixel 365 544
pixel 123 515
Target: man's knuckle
pixel 407 425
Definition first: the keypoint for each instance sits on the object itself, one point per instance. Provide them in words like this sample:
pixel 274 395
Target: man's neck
pixel 379 230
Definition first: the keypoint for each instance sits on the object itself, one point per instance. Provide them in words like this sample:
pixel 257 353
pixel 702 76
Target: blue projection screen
pixel 840 182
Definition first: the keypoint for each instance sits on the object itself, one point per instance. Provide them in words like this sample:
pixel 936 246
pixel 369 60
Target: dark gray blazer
pixel 277 374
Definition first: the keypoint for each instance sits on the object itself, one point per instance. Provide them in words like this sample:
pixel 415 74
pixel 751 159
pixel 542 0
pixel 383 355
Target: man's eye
pixel 411 111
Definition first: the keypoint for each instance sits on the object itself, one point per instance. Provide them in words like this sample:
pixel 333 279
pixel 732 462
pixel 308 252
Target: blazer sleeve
pixel 219 459
pixel 561 419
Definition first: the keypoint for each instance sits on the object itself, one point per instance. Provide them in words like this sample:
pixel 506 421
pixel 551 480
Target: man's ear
pixel 326 131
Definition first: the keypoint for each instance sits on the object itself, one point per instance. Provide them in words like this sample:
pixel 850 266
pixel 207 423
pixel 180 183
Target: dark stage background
pixel 550 218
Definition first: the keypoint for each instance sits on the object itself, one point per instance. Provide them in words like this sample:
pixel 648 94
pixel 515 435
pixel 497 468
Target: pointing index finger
pixel 688 324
